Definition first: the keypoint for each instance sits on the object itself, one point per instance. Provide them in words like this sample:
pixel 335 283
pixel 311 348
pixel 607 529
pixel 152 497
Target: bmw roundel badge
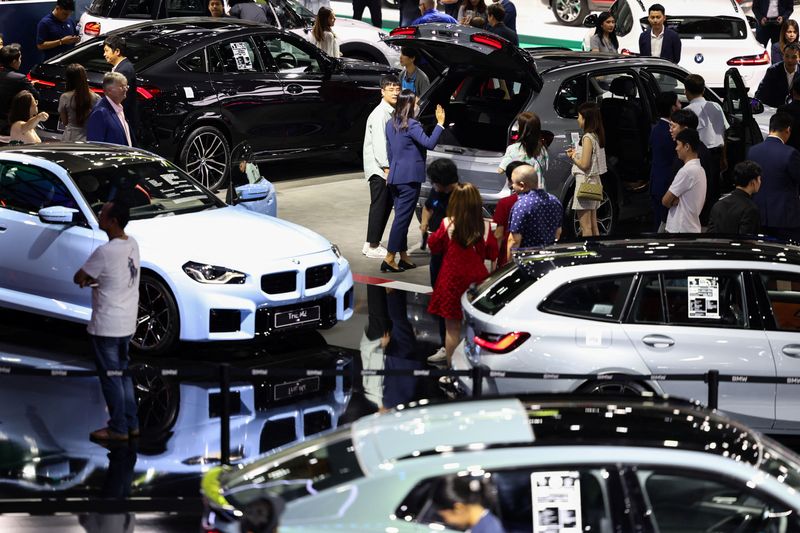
pixel 698 58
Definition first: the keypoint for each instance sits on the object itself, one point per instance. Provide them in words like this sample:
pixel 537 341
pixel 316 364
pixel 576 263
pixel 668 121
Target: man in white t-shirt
pixel 686 195
pixel 112 271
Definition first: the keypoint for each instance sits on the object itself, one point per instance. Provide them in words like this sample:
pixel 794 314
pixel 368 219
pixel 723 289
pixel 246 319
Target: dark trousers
pixel 712 183
pixel 659 212
pixel 380 207
pixel 787 234
pixel 768 32
pixel 409 11
pixel 405 198
pixel 374 7
pixel 435 266
pixel 111 353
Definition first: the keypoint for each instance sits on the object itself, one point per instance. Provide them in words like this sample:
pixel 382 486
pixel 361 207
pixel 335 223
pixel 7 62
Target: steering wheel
pixel 286 60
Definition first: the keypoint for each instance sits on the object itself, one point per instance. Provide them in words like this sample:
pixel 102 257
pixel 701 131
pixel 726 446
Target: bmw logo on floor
pixel 698 58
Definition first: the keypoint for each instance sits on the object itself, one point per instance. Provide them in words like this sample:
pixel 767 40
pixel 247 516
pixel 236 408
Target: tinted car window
pixel 707 27
pixel 595 298
pixel 288 56
pixel 292 14
pixel 194 62
pixel 648 307
pixel 501 288
pixel 783 292
pixel 100 8
pixel 704 299
pixel 622 14
pixel 186 8
pixel 141 53
pixel 145 9
pixel 238 55
pixel 28 189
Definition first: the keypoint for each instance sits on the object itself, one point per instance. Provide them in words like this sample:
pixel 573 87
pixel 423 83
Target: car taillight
pixel 501 343
pixel 488 40
pixel 92 28
pixel 37 81
pixel 97 90
pixel 147 92
pixel 514 137
pixel 404 30
pixel 625 52
pixel 749 61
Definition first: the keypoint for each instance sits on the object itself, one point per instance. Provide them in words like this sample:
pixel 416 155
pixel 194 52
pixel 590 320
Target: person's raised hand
pixel 439 115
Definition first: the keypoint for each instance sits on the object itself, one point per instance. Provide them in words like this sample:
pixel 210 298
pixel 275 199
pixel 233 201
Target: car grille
pixel 279 283
pixel 318 276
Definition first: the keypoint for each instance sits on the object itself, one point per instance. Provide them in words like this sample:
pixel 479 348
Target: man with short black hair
pixel 11 82
pixel 114 52
pixel 686 195
pixel 510 10
pixel 659 41
pixel 736 213
pixel 412 77
pixel 780 78
pixel 495 15
pixel 57 32
pixel 778 199
pixel 793 109
pixel 113 271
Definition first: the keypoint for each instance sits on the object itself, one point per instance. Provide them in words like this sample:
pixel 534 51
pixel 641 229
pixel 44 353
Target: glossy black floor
pixel 48 464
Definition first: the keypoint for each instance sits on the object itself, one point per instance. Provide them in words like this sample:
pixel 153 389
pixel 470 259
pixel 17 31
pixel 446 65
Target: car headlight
pixel 337 252
pixel 213 274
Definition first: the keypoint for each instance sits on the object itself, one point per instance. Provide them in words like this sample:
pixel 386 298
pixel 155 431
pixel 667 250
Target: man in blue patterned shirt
pixel 536 215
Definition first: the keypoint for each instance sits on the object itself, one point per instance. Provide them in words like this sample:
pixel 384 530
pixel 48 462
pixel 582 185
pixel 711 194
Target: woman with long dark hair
pixel 322 32
pixel 789 34
pixel 469 9
pixel 605 34
pixel 529 147
pixel 588 164
pixel 466 240
pixel 406 146
pixel 75 104
pixel 24 116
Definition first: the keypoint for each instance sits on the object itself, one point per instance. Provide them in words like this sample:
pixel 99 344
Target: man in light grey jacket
pixel 376 167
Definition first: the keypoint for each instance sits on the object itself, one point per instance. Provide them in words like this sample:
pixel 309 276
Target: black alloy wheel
pixel 206 156
pixel 605 216
pixel 158 324
pixel 157 398
pixel 570 12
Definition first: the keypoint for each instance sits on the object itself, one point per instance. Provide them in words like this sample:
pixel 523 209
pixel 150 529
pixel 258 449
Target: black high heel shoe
pixel 405 265
pixel 386 267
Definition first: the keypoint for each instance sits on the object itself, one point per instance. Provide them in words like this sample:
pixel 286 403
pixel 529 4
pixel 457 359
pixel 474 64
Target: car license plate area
pixel 293 389
pixel 296 316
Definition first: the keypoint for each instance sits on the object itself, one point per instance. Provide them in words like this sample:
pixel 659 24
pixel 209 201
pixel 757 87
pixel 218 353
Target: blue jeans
pixel 111 353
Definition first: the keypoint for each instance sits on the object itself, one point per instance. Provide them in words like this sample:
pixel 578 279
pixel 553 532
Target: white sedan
pixel 210 272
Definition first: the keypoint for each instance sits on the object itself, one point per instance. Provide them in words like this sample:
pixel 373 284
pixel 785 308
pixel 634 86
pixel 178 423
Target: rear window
pixel 707 27
pixel 504 285
pixel 141 53
pixel 101 8
pixel 595 298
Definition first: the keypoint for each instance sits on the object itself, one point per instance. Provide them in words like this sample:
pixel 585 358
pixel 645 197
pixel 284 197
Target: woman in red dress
pixel 466 241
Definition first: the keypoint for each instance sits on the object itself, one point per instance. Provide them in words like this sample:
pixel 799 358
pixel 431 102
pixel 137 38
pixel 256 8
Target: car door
pixel 321 102
pixel 780 293
pixel 38 260
pixel 249 91
pixel 743 131
pixel 695 320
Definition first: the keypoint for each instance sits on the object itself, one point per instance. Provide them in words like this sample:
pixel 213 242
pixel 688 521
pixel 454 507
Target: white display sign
pixel 241 56
pixel 556 502
pixel 703 297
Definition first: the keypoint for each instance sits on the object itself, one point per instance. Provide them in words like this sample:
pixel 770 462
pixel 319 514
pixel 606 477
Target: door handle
pixel 2 229
pixel 792 350
pixel 658 341
pixel 294 88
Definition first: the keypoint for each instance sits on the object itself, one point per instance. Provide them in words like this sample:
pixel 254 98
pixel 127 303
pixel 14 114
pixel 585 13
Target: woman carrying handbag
pixel 588 164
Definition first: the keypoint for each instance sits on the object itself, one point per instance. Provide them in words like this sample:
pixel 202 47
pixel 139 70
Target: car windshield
pixel 299 470
pixel 707 27
pixel 292 14
pixel 141 53
pixel 151 188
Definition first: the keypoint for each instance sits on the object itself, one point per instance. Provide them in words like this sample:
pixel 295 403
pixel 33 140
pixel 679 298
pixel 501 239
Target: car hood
pixel 227 236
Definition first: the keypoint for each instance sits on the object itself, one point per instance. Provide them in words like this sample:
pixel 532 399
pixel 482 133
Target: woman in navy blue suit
pixel 406 146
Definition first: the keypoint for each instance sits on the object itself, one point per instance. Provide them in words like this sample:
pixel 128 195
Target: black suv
pixel 208 85
pixel 484 82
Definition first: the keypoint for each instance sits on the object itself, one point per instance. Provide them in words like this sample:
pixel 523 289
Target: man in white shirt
pixel 113 271
pixel 686 195
pixel 376 167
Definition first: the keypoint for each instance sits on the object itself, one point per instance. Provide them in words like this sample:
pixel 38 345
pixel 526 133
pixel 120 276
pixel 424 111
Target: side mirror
pixel 756 107
pixel 57 215
pixel 590 21
pixel 253 192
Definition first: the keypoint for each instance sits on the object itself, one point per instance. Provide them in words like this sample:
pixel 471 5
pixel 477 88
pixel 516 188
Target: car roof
pixel 548 59
pixel 80 157
pixel 661 247
pixel 178 31
pixel 711 8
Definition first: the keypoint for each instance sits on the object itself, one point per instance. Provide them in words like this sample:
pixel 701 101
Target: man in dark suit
pixel 495 14
pixel 659 41
pixel 774 88
pixel 793 109
pixel 114 52
pixel 769 15
pixel 107 122
pixel 736 213
pixel 11 82
pixel 778 199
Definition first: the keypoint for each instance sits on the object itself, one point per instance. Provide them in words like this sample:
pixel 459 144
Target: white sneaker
pixel 438 357
pixel 379 252
pixel 365 248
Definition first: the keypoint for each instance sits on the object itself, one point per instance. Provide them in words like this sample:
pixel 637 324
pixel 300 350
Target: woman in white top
pixel 529 148
pixel 322 32
pixel 75 105
pixel 588 164
pixel 24 116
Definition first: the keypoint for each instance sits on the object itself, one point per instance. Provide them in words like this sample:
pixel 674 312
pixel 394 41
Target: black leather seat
pixel 626 131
